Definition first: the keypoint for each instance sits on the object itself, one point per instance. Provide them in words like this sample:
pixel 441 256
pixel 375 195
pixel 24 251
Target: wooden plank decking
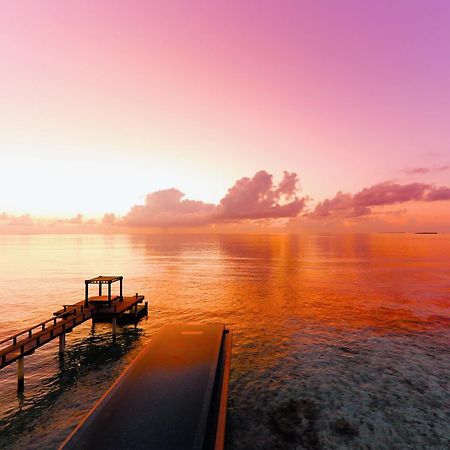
pixel 117 307
pixel 64 320
pixel 28 341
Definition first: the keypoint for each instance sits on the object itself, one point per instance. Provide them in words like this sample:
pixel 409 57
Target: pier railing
pixel 43 325
pixel 27 341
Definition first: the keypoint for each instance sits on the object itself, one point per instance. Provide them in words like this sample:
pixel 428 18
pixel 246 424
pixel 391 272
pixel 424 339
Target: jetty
pixel 172 396
pixel 100 307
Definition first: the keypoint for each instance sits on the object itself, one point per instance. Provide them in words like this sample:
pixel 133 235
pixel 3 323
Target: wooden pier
pixel 98 308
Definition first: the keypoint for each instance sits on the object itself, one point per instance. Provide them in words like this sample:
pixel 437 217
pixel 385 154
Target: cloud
pixel 259 201
pixel 253 198
pixel 436 194
pixel 342 204
pixel 258 198
pixel 24 220
pixel 26 223
pixel 425 170
pixel 9 220
pixel 432 154
pixel 75 221
pixel 389 193
pixel 109 219
pixel 381 194
pixel 167 208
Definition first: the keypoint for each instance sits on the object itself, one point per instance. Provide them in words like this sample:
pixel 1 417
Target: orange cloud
pixel 11 221
pixel 255 201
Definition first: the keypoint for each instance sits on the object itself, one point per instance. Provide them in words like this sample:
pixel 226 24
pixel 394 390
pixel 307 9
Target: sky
pixel 106 103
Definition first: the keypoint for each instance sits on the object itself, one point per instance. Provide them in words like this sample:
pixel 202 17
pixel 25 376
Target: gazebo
pixel 101 280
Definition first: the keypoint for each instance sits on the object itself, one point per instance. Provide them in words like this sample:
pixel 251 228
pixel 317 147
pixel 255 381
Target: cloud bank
pixel 168 208
pixel 256 198
pixel 346 205
pixel 9 220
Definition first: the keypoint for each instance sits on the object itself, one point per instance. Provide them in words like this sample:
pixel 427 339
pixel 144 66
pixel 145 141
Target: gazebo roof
pixel 103 279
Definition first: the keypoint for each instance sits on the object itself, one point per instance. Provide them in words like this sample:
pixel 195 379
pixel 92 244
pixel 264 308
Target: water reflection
pixel 350 325
pixel 92 358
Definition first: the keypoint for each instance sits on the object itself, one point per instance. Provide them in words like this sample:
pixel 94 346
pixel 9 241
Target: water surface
pixel 340 341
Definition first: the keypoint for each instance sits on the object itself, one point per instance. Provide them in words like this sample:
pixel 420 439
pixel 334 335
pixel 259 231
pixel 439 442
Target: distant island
pixel 426 232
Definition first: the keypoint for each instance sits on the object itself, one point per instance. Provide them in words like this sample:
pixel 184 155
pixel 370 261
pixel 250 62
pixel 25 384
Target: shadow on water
pixel 94 354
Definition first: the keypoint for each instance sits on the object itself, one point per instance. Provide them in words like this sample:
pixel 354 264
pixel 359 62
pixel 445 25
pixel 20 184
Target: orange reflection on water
pixel 386 283
pixel 312 315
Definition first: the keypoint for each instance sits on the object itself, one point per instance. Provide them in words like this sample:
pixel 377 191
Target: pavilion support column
pixel 109 293
pixel 20 374
pixel 62 344
pixel 121 295
pixel 114 326
pixel 86 294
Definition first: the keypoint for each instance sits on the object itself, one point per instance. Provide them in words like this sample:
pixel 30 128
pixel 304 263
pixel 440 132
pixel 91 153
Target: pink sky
pixel 104 102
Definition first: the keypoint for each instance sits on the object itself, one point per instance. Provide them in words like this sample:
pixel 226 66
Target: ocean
pixel 340 341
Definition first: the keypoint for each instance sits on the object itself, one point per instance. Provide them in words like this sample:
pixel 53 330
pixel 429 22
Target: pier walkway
pixel 26 342
pixel 98 308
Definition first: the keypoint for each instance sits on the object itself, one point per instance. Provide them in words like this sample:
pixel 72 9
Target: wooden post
pixel 109 293
pixel 121 295
pixel 114 326
pixel 86 293
pixel 62 344
pixel 20 374
pixel 100 289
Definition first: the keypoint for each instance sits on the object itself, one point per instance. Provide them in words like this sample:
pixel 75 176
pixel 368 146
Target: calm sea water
pixel 339 341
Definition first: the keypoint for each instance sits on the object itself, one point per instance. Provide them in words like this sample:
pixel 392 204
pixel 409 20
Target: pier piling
pixel 114 326
pixel 20 374
pixel 62 344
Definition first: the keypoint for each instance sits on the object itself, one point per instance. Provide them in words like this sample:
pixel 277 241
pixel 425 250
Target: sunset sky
pixel 105 102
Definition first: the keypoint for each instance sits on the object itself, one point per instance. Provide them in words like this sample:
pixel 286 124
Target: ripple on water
pixel 334 346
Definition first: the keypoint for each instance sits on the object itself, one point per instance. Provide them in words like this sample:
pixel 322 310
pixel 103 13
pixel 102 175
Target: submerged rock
pixel 294 421
pixel 352 351
pixel 344 428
